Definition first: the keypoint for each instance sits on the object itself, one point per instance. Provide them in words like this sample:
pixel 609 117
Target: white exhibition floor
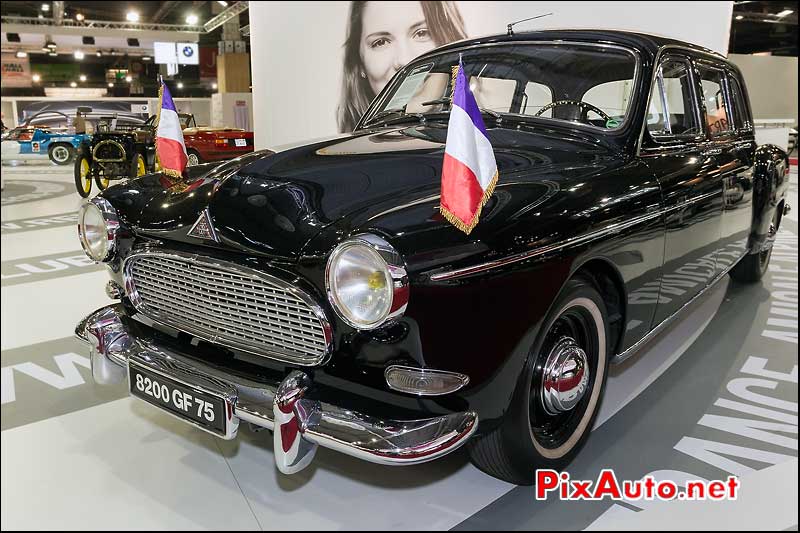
pixel 77 457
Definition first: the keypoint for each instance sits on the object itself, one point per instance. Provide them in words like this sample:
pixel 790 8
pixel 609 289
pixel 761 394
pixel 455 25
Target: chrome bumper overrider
pixel 115 339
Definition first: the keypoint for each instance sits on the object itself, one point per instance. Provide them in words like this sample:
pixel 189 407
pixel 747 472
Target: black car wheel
pixel 61 154
pixel 83 176
pixel 193 158
pixel 752 267
pixel 558 394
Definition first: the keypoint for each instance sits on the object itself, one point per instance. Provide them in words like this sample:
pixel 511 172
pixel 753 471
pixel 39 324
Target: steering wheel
pixel 585 107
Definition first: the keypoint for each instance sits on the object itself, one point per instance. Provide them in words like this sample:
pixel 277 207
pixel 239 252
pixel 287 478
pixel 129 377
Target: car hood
pixel 386 181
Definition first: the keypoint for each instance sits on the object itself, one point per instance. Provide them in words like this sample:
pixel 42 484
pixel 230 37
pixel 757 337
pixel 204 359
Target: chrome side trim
pixel 115 339
pixel 623 356
pixel 572 241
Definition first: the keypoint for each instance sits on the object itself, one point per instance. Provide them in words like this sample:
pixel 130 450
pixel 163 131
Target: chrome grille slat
pixel 231 326
pixel 229 305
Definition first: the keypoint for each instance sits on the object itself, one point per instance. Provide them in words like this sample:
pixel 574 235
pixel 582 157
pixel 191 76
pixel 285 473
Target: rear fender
pixel 770 185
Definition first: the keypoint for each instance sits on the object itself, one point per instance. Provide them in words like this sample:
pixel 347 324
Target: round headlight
pixel 97 229
pixel 367 283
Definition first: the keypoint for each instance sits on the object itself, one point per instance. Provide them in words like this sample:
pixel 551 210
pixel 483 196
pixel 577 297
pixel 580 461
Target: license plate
pixel 188 403
pixel 241 142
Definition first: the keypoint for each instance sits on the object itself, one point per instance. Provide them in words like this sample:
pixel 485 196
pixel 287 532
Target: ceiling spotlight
pixel 223 3
pixel 213 85
pixel 83 77
pixel 110 84
pixel 739 17
pixel 50 44
pixel 53 54
pixel 79 17
pixel 45 7
pixel 99 53
pixel 41 16
pixel 78 54
pixel 191 19
pixel 784 13
pixel 132 16
pixel 22 53
pixel 128 79
pixel 73 84
pixel 180 85
pixel 145 58
pixel 36 78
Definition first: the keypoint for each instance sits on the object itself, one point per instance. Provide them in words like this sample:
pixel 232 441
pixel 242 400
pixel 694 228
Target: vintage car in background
pixel 114 152
pixel 31 143
pixel 319 293
pixel 205 143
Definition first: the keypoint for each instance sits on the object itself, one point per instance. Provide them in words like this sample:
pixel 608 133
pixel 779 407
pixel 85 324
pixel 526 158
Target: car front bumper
pixel 115 340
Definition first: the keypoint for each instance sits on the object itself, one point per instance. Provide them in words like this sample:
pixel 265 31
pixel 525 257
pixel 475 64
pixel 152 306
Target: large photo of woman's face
pixel 381 38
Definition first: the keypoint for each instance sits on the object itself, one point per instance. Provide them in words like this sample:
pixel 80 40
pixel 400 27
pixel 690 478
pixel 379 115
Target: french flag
pixel 469 173
pixel 170 147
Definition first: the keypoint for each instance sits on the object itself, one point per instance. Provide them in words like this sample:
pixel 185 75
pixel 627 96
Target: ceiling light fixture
pixel 784 13
pixel 83 77
pixel 73 84
pixel 36 78
pixel 45 7
pixel 99 53
pixel 50 44
pixel 41 16
pixel 145 58
pixel 22 54
pixel 739 17
pixel 223 3
pixel 79 17
pixel 53 54
pixel 180 85
pixel 110 84
pixel 191 19
pixel 128 79
pixel 78 55
pixel 132 16
pixel 213 85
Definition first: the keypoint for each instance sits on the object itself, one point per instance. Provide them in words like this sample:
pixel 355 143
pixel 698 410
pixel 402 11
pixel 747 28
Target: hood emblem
pixel 203 229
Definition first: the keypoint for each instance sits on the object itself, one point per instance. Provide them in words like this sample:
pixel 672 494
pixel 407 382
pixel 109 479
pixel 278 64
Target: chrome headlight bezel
pixel 394 270
pixel 111 222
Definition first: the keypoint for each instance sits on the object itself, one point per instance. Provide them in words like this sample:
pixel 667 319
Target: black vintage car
pixel 318 291
pixel 116 151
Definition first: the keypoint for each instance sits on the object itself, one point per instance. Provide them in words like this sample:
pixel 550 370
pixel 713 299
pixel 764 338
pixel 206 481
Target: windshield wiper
pixel 382 114
pixel 448 100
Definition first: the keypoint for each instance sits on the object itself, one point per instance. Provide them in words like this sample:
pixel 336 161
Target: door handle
pixel 712 151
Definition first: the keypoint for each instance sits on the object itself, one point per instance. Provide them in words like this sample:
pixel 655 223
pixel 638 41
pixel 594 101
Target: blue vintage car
pixel 27 143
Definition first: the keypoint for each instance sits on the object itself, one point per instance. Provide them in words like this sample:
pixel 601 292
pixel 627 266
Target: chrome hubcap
pixel 60 154
pixel 566 377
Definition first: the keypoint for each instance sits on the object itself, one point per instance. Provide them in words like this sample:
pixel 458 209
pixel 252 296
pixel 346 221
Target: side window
pixel 741 111
pixel 612 97
pixel 493 93
pixel 718 117
pixel 672 105
pixel 536 97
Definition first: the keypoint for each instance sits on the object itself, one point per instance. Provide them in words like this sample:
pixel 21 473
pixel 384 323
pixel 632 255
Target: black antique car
pixel 318 292
pixel 117 150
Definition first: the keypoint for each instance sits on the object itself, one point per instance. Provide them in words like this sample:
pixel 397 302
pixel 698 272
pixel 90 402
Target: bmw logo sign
pixel 188 51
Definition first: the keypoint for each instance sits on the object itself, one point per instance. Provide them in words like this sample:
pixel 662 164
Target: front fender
pixel 770 184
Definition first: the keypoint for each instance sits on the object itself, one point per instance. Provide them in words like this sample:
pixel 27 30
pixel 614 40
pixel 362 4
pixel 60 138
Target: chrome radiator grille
pixel 229 305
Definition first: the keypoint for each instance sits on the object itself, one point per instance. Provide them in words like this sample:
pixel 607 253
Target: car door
pixel 675 148
pixel 736 158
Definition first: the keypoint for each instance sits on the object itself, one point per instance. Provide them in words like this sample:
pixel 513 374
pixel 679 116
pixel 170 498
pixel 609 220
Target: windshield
pixel 578 83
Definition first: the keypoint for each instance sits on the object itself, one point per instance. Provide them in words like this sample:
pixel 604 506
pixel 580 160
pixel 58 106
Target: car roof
pixel 649 44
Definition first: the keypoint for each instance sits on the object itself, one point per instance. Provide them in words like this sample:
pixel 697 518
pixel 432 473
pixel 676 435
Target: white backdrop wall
pixel 297 48
pixel 772 84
